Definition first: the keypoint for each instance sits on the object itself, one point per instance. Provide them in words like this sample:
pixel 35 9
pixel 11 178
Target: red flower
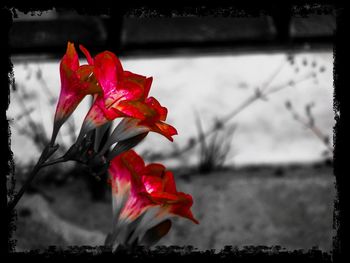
pixel 160 184
pixel 76 82
pixel 154 117
pixel 146 187
pixel 129 196
pixel 144 196
pixel 119 87
pixel 125 94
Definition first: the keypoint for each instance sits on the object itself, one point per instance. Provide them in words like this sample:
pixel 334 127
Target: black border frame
pixel 270 254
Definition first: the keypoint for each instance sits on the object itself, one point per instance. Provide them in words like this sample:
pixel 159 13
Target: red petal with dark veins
pixel 70 60
pixel 76 82
pixel 132 159
pixel 95 117
pixel 151 186
pixel 169 182
pixel 161 111
pixel 165 129
pixel 87 80
pixel 69 95
pixel 183 211
pixel 154 169
pixel 134 78
pixel 131 79
pixel 139 200
pixel 178 204
pixel 148 86
pixel 160 184
pixel 108 71
pixel 135 109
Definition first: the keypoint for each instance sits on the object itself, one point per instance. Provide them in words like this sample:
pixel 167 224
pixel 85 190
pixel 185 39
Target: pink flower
pixel 146 186
pixel 144 196
pixel 119 88
pixel 76 82
pixel 125 94
pixel 128 128
pixel 154 117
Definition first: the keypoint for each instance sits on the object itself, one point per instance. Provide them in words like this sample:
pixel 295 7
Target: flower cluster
pixel 144 196
pixel 117 93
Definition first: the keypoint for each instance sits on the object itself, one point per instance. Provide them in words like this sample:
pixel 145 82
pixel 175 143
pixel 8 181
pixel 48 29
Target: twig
pixel 250 100
pixel 309 125
pixel 47 153
pixel 273 75
pixel 38 136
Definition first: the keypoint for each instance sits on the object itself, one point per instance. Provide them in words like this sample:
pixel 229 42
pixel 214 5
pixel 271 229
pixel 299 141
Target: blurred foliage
pixel 253 214
pixel 33 129
pixel 242 207
pixel 212 145
pixel 309 123
pixel 213 150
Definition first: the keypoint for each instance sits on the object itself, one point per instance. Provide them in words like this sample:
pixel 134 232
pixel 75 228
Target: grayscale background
pixel 265 178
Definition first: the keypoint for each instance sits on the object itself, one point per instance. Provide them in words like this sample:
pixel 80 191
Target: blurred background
pixel 251 98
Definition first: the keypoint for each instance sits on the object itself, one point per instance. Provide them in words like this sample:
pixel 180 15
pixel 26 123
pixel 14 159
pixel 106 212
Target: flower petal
pixel 88 82
pixel 135 109
pixel 108 71
pixel 126 129
pixel 183 207
pixel 69 96
pixel 131 79
pixel 70 61
pixel 87 55
pixel 154 169
pixel 98 116
pixel 164 129
pixel 93 119
pixel 152 196
pixel 162 189
pixel 178 204
pixel 169 182
pixel 121 178
pixel 161 111
pixel 76 82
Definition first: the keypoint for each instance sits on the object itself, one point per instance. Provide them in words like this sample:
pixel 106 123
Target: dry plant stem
pixel 273 75
pixel 18 196
pixel 35 134
pixel 45 155
pixel 48 93
pixel 250 100
pixel 319 135
pixel 314 129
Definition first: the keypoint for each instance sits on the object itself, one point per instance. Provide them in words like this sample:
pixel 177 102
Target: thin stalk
pixel 19 195
pixel 47 152
pixel 313 128
pixel 260 94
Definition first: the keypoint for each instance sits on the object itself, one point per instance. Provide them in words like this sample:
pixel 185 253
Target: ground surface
pixel 287 206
